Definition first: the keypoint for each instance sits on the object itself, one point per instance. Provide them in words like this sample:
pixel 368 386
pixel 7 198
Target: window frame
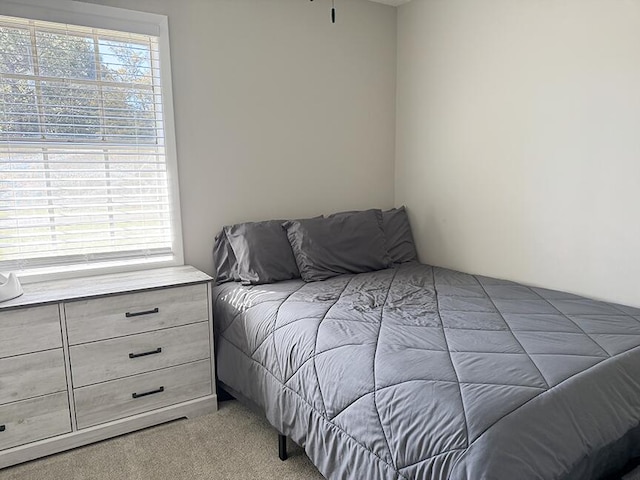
pixel 130 21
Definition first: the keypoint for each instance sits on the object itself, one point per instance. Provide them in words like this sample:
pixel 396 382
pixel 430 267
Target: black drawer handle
pixel 2 428
pixel 152 392
pixel 138 314
pixel 144 354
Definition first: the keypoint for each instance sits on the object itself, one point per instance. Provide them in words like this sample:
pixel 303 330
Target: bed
pixel 418 372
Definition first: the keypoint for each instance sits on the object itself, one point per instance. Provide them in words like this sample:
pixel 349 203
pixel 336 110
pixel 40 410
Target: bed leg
pixel 282 447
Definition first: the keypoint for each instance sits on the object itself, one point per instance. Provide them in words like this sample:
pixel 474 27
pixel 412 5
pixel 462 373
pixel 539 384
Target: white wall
pixel 518 139
pixel 278 112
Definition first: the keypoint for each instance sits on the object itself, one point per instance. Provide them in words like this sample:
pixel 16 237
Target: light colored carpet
pixel 234 443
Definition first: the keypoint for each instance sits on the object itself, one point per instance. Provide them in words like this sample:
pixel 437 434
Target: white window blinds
pixel 83 170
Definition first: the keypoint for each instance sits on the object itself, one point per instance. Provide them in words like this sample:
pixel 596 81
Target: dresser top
pixel 53 291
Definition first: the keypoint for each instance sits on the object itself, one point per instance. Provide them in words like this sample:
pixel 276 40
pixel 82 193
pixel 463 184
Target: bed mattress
pixel 420 372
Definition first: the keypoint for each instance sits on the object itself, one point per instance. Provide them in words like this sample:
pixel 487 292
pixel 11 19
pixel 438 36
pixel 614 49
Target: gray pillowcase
pixel 224 260
pixel 339 244
pixel 397 229
pixel 262 252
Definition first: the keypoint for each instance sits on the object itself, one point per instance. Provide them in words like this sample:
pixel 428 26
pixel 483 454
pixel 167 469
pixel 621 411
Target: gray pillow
pixel 399 237
pixel 262 252
pixel 344 243
pixel 397 230
pixel 224 260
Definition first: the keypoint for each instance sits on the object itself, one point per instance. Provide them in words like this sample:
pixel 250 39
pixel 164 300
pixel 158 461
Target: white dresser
pixel 86 359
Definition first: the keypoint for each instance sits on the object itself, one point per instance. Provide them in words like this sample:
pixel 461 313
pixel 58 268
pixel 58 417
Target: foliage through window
pixel 83 172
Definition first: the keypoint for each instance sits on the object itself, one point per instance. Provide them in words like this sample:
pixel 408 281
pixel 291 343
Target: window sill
pixel 91 269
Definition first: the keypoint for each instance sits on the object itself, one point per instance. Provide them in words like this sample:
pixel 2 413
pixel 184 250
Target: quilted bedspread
pixel 421 372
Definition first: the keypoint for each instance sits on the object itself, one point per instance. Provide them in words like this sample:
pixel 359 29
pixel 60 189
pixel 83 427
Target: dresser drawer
pixel 121 357
pixel 116 399
pixel 120 315
pixel 29 330
pixel 32 375
pixel 35 419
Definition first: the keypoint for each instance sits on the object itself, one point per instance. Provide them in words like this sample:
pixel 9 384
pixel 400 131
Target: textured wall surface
pixel 518 145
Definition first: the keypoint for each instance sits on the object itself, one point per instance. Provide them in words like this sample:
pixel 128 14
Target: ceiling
pixel 395 3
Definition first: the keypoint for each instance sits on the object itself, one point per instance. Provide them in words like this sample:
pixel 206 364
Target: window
pixel 87 162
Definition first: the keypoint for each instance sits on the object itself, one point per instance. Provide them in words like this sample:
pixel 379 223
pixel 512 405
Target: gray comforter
pixel 426 373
